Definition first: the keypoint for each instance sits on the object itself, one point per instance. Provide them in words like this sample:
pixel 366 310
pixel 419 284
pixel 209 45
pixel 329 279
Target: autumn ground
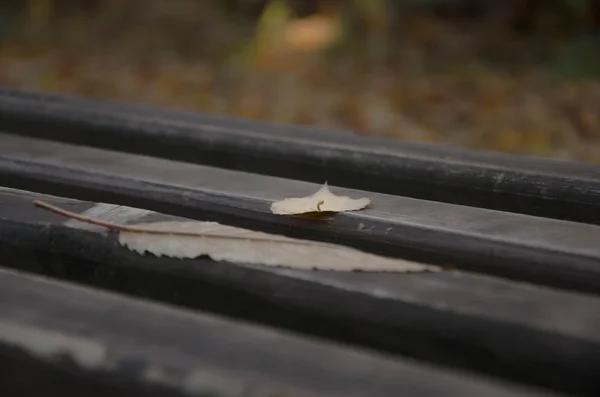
pixel 432 80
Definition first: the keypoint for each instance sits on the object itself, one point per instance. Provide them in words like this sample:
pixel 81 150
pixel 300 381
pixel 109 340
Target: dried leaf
pixel 232 244
pixel 192 239
pixel 321 201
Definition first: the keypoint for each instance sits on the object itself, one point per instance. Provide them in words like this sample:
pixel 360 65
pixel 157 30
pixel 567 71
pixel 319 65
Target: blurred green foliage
pixel 374 23
pixel 569 22
pixel 570 15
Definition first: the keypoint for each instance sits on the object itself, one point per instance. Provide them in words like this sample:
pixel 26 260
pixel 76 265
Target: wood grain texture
pixel 504 182
pixel 105 344
pixel 538 250
pixel 511 330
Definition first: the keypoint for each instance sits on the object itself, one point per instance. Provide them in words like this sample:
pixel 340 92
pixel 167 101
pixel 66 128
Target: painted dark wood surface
pixel 511 183
pixel 101 344
pixel 538 250
pixel 518 331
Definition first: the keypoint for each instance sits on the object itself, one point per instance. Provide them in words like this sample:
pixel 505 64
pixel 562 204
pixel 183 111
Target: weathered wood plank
pixel 520 184
pixel 538 250
pixel 531 334
pixel 58 339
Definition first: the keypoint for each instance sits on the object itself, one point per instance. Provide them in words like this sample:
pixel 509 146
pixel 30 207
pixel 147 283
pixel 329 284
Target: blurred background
pixel 519 76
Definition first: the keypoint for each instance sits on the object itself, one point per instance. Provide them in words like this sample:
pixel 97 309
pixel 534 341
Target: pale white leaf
pixel 236 245
pixel 321 201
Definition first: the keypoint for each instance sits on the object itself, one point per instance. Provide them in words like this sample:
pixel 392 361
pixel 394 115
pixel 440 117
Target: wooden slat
pixel 520 184
pixel 57 339
pixel 511 330
pixel 538 250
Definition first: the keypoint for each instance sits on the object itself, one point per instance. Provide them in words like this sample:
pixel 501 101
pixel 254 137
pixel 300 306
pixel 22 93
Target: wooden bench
pixel 518 314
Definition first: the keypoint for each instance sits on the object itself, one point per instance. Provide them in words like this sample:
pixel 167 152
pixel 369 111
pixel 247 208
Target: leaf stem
pixel 92 221
pixel 133 229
